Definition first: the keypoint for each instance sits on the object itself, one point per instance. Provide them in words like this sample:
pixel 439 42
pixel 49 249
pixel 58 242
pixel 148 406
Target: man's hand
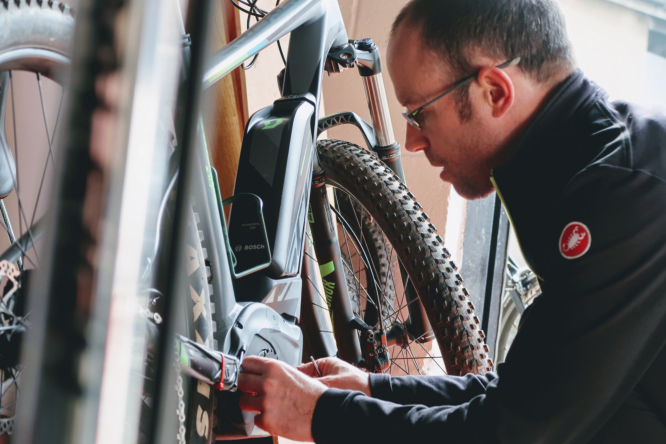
pixel 283 398
pixel 339 374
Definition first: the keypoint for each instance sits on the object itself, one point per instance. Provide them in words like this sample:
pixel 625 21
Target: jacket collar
pixel 575 93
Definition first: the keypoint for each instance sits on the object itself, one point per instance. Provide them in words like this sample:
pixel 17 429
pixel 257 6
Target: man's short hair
pixel 533 30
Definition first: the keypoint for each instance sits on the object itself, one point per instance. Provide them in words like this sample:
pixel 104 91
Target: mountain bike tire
pixel 50 25
pixel 418 246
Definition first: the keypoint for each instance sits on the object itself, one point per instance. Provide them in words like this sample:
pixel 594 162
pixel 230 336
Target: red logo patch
pixel 575 240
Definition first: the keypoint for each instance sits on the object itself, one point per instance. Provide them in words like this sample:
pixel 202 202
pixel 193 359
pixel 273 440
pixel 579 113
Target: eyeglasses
pixel 411 116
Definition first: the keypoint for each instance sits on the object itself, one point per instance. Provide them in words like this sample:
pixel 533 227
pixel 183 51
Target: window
pixel 654 81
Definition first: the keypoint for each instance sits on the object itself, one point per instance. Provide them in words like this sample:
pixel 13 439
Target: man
pixel 584 181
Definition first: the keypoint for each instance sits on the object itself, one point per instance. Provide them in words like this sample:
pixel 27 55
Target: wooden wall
pixel 225 102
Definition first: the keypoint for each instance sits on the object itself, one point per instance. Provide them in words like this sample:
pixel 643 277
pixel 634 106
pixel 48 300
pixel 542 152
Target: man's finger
pixel 328 365
pixel 308 369
pixel 255 364
pixel 250 383
pixel 251 403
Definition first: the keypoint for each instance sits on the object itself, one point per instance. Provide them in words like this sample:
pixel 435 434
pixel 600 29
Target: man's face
pixel 466 150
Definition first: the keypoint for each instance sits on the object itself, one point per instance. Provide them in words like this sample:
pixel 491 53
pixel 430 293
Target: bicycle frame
pixel 277 162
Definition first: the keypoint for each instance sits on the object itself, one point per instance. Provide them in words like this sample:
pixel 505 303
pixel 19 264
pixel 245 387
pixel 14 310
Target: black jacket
pixel 588 363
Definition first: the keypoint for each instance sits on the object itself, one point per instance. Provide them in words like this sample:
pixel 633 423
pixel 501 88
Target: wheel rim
pixel 48 63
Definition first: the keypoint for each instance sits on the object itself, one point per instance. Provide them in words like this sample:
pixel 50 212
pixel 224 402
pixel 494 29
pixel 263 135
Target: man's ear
pixel 498 90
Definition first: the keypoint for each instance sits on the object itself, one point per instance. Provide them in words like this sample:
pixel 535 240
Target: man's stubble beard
pixel 468 188
pixel 472 191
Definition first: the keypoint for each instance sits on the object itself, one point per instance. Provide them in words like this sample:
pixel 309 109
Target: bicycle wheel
pixel 366 193
pixel 30 65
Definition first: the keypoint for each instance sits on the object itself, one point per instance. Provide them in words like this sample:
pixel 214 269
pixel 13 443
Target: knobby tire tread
pixel 51 25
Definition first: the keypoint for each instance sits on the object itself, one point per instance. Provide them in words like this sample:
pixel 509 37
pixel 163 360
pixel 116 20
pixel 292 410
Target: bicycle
pixel 389 285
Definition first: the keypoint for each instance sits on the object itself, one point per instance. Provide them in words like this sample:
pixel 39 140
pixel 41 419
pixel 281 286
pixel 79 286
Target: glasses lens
pixel 412 121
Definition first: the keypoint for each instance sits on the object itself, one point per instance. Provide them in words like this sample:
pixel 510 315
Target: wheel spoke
pixel 358 252
pixel 14 178
pixel 428 353
pixel 402 352
pixel 50 154
pixel 346 236
pixel 349 256
pixel 362 266
pixel 309 235
pixel 46 122
pixel 397 312
pixel 319 293
pixel 310 256
pixel 362 240
pixel 416 365
pixel 367 298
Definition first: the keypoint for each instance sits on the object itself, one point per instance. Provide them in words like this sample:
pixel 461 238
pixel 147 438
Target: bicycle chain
pixel 180 411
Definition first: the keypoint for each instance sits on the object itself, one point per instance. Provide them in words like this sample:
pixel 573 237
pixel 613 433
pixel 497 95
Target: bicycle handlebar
pixel 285 18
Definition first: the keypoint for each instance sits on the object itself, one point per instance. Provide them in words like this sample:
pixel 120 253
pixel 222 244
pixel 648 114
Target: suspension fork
pixel 388 150
pixel 329 256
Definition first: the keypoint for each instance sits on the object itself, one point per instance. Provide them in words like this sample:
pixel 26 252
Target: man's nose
pixel 415 141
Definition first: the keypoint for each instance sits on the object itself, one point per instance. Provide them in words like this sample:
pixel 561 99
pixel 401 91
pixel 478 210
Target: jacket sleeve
pixel 429 391
pixel 581 347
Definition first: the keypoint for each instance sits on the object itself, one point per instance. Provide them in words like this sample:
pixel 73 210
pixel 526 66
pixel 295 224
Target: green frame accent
pixel 326 269
pixel 272 123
